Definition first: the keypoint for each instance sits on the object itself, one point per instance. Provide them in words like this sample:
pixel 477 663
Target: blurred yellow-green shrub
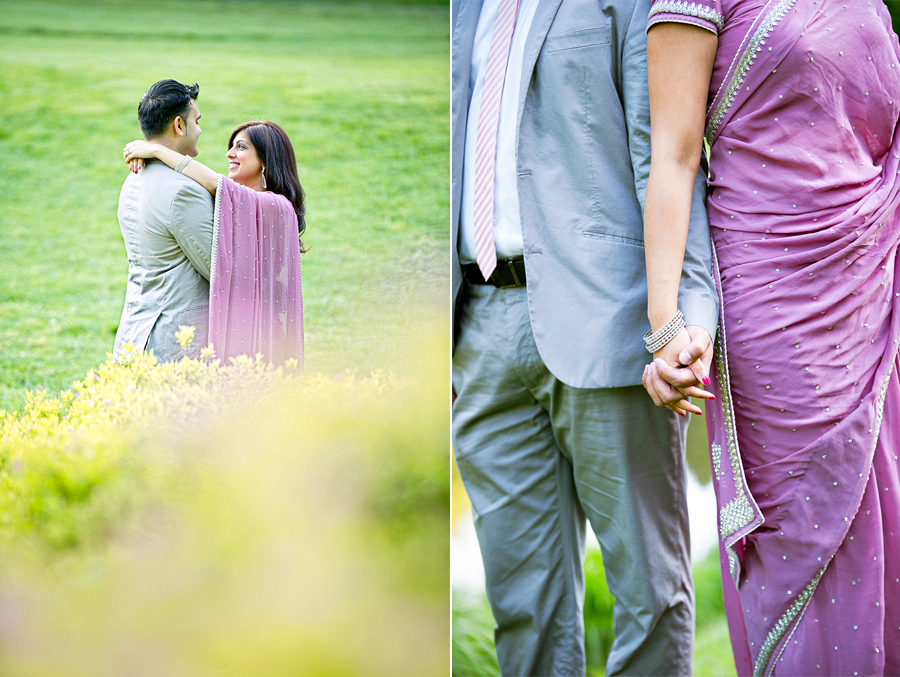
pixel 192 518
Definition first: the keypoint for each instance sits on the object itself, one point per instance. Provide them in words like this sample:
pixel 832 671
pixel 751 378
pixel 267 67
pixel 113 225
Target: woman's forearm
pixel 194 170
pixel 667 209
pixel 679 66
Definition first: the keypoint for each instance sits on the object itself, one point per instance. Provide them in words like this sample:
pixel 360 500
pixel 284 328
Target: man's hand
pixel 678 370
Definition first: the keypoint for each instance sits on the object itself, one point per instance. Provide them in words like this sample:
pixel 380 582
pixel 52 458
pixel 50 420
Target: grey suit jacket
pixel 583 158
pixel 167 222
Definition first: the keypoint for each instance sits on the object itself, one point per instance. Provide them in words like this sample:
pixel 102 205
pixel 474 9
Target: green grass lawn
pixel 362 90
pixel 473 626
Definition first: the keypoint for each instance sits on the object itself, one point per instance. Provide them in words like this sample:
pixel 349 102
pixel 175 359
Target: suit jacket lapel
pixel 465 15
pixel 540 25
pixel 465 21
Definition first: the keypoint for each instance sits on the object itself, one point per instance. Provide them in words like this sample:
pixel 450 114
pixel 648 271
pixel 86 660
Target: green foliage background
pixel 199 519
pixel 196 519
pixel 362 90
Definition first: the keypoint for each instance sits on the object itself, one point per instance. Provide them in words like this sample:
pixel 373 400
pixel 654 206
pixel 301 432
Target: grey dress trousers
pixel 551 428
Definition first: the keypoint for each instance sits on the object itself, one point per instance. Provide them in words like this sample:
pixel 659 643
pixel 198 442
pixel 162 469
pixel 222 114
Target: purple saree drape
pixel 256 301
pixel 804 185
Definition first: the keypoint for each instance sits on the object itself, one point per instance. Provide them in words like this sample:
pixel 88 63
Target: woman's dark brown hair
pixel 277 156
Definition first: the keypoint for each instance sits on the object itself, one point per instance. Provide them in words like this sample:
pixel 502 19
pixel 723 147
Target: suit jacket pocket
pixel 136 325
pixel 618 239
pixel 601 35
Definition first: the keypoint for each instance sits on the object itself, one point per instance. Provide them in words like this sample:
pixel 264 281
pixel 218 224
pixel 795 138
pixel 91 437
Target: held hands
pixel 678 370
pixel 136 151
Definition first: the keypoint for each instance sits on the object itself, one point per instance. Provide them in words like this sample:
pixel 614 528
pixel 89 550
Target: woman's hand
pixel 678 370
pixel 139 149
pixel 136 151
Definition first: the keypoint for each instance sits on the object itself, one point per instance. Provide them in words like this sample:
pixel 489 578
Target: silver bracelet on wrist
pixel 657 339
pixel 184 163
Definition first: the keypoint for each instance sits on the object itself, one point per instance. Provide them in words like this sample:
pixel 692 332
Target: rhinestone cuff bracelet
pixel 664 334
pixel 184 163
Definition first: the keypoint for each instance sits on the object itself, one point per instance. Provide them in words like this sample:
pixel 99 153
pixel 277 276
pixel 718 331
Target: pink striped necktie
pixel 486 141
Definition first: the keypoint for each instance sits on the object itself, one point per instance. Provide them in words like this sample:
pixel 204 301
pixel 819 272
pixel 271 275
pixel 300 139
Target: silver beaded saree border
pixel 220 179
pixel 742 510
pixel 742 67
pixel 794 613
pixel 716 459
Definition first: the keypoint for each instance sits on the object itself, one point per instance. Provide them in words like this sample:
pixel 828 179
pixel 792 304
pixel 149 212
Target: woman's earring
pixel 264 177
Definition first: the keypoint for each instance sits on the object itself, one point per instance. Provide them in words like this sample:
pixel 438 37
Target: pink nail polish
pixel 706 380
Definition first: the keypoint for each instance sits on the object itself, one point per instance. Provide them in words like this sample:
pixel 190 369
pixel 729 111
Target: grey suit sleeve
pixel 697 297
pixel 635 95
pixel 191 222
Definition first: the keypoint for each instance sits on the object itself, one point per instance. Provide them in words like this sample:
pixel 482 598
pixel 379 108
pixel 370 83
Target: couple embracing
pixel 767 272
pixel 221 254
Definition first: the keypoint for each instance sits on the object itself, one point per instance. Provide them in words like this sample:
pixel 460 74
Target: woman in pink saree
pixel 256 300
pixel 799 102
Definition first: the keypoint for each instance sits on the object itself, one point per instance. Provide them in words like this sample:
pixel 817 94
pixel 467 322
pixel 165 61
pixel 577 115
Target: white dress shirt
pixel 507 224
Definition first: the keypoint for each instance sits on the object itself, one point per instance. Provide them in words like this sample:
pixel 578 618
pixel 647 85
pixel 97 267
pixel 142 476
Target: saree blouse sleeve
pixel 703 13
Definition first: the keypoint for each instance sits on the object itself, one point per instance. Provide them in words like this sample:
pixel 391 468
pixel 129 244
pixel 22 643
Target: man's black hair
pixel 162 103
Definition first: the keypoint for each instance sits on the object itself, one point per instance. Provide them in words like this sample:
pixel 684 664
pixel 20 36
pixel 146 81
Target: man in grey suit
pixel 550 424
pixel 167 222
